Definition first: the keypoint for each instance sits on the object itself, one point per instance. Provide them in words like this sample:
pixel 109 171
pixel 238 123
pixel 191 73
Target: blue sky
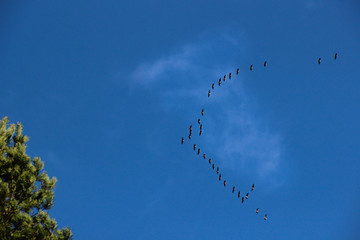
pixel 105 92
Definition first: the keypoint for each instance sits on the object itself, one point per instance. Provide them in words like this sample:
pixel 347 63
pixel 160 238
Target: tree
pixel 26 192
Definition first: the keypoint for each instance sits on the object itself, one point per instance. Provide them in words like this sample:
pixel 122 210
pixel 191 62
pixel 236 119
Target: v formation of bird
pixel 200 132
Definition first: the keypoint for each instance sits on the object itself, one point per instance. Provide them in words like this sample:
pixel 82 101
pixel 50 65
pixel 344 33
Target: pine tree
pixel 26 192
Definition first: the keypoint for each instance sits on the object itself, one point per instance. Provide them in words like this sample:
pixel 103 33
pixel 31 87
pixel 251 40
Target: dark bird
pixel 198 151
pixel 213 166
pixel 200 126
pixel 209 160
pixel 219 81
pixel 190 136
pixel 224 183
pixel 229 75
pixel 224 78
pixel 209 93
pixel 242 200
pixel 237 71
pixel 233 189
pixel 257 210
pixel 199 121
pixel 319 60
pixel 194 146
pixel 252 188
pixel 217 170
pixel 213 86
pixel 247 196
pixel 200 133
pixel 265 64
pixel 251 67
pixel 220 177
pixel 238 194
pixel 265 217
pixel 204 156
pixel 202 112
pixel 182 140
pixel 335 56
pixel 190 128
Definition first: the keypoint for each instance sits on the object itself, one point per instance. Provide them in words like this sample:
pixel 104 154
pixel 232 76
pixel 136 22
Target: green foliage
pixel 26 191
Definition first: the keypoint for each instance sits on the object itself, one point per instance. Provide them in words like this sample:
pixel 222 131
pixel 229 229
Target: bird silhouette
pixel 194 146
pixel 200 127
pixel 229 75
pixel 213 86
pixel 198 120
pixel 224 78
pixel 238 194
pixel 265 64
pixel 190 128
pixel 209 160
pixel 233 190
pixel 319 60
pixel 251 67
pixel 190 136
pixel 265 217
pixel 198 151
pixel 257 210
pixel 237 71
pixel 182 140
pixel 213 166
pixel 220 177
pixel 335 56
pixel 219 81
pixel 204 156
pixel 217 170
pixel 200 133
pixel 202 112
pixel 209 93
pixel 247 195
pixel 242 200
pixel 252 188
pixel 224 183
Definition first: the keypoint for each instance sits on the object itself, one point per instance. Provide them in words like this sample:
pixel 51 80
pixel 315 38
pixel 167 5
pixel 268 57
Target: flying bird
pixel 242 200
pixel 194 146
pixel 251 67
pixel 190 128
pixel 204 156
pixel 209 93
pixel 200 126
pixel 200 133
pixel 198 151
pixel 220 177
pixel 219 81
pixel 213 166
pixel 265 217
pixel 209 160
pixel 238 194
pixel 224 78
pixel 247 195
pixel 319 60
pixel 252 188
pixel 199 121
pixel 190 136
pixel 233 189
pixel 265 64
pixel 202 112
pixel 224 183
pixel 217 171
pixel 237 71
pixel 213 86
pixel 335 56
pixel 229 75
pixel 182 140
pixel 257 210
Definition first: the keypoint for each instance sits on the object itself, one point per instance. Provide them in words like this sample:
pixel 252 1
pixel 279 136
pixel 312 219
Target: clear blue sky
pixel 105 92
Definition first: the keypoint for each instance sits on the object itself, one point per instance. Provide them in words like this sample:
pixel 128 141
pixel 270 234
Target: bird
pixel 224 78
pixel 213 86
pixel 224 183
pixel 200 133
pixel 238 194
pixel 198 120
pixel 219 81
pixel 200 126
pixel 335 56
pixel 242 200
pixel 202 112
pixel 204 156
pixel 251 67
pixel 217 171
pixel 265 217
pixel 194 146
pixel 252 188
pixel 198 151
pixel 233 189
pixel 229 75
pixel 265 64
pixel 257 210
pixel 190 127
pixel 190 136
pixel 220 177
pixel 319 60
pixel 237 71
pixel 209 160
pixel 247 195
pixel 182 140
pixel 213 166
pixel 209 93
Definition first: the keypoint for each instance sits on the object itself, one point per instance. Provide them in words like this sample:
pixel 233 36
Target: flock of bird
pixel 200 133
